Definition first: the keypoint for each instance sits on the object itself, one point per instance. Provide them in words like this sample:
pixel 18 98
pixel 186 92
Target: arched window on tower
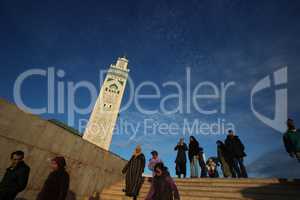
pixel 113 88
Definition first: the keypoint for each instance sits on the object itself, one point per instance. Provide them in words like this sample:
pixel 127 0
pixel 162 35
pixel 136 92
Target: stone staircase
pixel 220 189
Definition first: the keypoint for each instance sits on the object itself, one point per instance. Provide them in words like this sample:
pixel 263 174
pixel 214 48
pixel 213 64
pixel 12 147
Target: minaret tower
pixel 103 119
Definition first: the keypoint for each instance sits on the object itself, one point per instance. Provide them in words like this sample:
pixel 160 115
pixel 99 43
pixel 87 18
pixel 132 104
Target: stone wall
pixel 91 168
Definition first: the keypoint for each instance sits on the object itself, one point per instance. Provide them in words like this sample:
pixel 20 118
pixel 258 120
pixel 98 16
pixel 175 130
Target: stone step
pixel 183 189
pixel 238 180
pixel 235 180
pixel 181 198
pixel 234 186
pixel 217 196
pixel 220 184
pixel 217 189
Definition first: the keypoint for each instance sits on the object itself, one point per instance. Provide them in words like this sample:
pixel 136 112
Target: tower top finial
pixel 122 63
pixel 124 56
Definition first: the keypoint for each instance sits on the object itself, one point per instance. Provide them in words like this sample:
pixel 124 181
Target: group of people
pixel 195 156
pixel 16 177
pixel 230 157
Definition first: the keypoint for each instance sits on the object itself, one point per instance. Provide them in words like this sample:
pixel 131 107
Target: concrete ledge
pixel 91 168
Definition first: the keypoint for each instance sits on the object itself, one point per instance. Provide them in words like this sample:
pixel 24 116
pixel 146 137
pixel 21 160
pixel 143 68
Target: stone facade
pixel 91 168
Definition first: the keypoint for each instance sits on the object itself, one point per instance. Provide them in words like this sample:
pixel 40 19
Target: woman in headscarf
pixel 56 185
pixel 163 186
pixel 194 157
pixel 134 170
pixel 180 161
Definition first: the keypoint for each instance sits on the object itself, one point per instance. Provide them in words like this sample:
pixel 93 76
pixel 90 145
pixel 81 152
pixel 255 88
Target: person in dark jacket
pixel 56 185
pixel 16 177
pixel 202 163
pixel 237 153
pixel 194 157
pixel 291 140
pixel 180 161
pixel 163 186
pixel 222 153
pixel 134 170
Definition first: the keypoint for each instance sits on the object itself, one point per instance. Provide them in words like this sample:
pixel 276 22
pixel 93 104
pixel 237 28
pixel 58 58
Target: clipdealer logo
pixel 278 80
pixel 57 89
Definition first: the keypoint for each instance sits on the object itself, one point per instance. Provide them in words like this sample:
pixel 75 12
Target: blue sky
pixel 219 40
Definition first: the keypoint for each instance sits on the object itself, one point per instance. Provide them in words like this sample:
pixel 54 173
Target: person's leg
pixel 233 173
pixel 203 167
pixel 196 164
pixel 226 168
pixel 204 174
pixel 236 168
pixel 192 169
pixel 223 167
pixel 184 169
pixel 243 168
pixel 179 169
pixel 230 167
pixel 179 172
pixel 217 173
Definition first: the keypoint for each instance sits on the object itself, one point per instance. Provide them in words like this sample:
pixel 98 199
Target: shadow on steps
pixel 284 190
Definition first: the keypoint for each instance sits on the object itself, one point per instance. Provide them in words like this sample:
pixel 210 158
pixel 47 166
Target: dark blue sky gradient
pixel 220 40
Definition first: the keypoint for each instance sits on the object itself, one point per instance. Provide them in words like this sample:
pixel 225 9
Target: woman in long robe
pixel 180 161
pixel 194 157
pixel 134 170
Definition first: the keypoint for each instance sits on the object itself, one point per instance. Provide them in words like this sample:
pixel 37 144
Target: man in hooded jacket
pixel 236 151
